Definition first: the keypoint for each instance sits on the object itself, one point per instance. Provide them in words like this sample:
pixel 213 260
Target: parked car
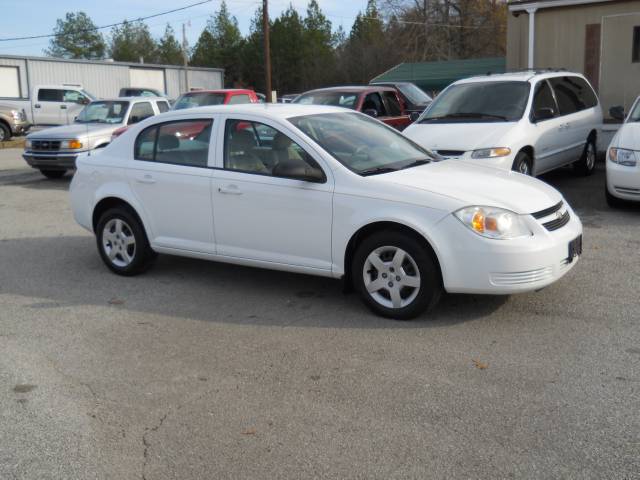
pixel 382 103
pixel 139 92
pixel 12 122
pixel 201 98
pixel 323 191
pixel 53 151
pixel 530 122
pixel 623 158
pixel 415 99
pixel 52 104
pixel 288 98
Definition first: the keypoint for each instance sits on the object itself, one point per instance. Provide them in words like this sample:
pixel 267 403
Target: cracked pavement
pixel 199 370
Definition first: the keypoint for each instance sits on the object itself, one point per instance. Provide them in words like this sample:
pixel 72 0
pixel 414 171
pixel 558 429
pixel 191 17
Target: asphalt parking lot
pixel 199 370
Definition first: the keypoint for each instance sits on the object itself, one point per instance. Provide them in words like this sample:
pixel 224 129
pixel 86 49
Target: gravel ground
pixel 200 370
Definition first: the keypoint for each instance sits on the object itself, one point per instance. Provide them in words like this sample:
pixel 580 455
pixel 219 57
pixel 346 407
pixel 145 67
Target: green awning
pixel 435 76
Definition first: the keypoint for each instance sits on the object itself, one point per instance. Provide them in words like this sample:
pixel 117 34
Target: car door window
pixel 183 142
pixel 74 96
pixel 50 95
pixel 373 101
pixel 162 107
pixel 139 112
pixel 393 105
pixel 570 95
pixel 254 147
pixel 242 98
pixel 543 98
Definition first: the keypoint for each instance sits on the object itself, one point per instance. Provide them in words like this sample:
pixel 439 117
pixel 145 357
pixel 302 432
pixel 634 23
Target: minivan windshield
pixel 362 144
pixel 103 112
pixel 201 99
pixel 479 102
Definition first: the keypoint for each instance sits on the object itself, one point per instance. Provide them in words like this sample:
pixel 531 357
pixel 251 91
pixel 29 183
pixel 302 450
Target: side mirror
pixel 413 116
pixel 617 112
pixel 298 170
pixel 372 112
pixel 544 113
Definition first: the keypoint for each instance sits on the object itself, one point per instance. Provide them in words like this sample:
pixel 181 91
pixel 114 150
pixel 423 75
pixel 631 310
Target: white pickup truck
pixel 53 104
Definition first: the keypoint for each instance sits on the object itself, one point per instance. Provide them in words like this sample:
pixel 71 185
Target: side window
pixel 393 105
pixel 573 94
pixel 241 98
pixel 543 98
pixel 162 107
pixel 583 91
pixel 373 101
pixel 50 95
pixel 254 147
pixel 74 96
pixel 140 111
pixel 184 142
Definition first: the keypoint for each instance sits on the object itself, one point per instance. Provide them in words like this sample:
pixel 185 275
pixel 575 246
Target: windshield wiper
pixel 417 163
pixel 377 170
pixel 465 115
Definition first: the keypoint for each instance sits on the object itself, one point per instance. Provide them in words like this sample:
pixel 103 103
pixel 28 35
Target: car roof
pixel 273 110
pixel 353 88
pixel 520 76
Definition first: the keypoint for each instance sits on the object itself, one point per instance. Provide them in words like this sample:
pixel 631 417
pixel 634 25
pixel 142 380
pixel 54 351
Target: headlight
pixel 71 144
pixel 622 156
pixel 493 222
pixel 16 115
pixel 27 144
pixel 491 152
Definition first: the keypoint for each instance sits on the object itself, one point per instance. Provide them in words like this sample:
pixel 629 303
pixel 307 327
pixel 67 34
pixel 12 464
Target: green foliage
pixel 132 41
pixel 169 49
pixel 76 37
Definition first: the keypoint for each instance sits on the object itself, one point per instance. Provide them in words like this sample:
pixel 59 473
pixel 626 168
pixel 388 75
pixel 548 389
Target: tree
pixel 169 49
pixel 287 56
pixel 252 56
pixel 220 45
pixel 131 42
pixel 76 37
pixel 318 59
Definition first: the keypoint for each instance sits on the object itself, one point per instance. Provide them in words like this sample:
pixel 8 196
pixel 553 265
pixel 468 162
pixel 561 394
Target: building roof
pixel 518 5
pixel 438 75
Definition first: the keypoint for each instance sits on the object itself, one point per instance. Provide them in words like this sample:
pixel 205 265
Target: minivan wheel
pixel 53 174
pixel 122 242
pixel 396 275
pixel 587 163
pixel 522 163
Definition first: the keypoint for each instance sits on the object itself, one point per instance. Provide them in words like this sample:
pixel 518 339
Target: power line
pixel 107 26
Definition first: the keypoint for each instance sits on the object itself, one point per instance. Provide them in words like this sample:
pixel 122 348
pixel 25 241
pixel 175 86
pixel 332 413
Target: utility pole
pixel 185 57
pixel 267 52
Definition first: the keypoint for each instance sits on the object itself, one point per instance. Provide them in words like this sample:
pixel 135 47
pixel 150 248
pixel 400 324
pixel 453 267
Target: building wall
pixel 560 43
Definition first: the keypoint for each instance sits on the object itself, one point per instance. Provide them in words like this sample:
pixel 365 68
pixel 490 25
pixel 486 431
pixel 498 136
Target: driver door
pixel 261 216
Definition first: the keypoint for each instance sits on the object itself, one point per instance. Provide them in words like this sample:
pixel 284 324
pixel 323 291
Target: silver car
pixel 53 151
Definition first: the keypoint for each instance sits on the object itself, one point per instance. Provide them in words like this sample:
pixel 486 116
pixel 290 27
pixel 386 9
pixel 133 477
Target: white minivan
pixel 529 121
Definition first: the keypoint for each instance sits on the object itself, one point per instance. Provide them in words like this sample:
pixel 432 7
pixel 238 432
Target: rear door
pixel 48 107
pixel 549 147
pixel 73 102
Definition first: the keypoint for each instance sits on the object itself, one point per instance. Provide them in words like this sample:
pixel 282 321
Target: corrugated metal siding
pixel 201 79
pixel 12 62
pixel 175 82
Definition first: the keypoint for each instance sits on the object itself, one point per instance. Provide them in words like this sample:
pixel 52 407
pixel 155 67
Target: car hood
pixel 477 185
pixel 628 136
pixel 458 136
pixel 76 130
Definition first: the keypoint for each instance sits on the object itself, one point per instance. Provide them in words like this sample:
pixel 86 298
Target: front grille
pixel 547 211
pixel 45 145
pixel 450 153
pixel 559 222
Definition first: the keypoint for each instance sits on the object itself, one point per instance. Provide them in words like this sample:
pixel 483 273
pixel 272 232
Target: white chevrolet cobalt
pixel 323 191
pixel 531 122
pixel 623 158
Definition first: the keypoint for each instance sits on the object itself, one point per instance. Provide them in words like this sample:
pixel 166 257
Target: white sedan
pixel 323 191
pixel 623 159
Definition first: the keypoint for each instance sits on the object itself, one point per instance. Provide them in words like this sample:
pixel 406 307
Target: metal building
pixel 19 75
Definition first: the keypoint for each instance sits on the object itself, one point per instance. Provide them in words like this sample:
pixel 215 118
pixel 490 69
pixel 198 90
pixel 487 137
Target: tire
pixel 122 242
pixel 407 288
pixel 53 174
pixel 5 133
pixel 587 163
pixel 522 164
pixel 613 202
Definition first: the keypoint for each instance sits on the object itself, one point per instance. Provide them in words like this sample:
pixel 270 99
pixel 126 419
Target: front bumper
pixel 53 161
pixel 474 264
pixel 20 128
pixel 623 182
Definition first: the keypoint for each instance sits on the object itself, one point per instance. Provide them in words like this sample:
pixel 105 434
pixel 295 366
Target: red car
pixel 380 102
pixel 201 98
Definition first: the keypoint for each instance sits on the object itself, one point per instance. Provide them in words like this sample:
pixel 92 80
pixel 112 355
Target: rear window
pixel 50 95
pixel 201 99
pixel 573 94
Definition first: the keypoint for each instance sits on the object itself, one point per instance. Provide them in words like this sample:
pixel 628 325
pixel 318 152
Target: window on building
pixel 635 52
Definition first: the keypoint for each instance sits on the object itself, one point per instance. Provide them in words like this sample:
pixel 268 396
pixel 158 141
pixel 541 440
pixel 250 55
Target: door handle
pixel 37 105
pixel 230 190
pixel 146 179
pixel 63 107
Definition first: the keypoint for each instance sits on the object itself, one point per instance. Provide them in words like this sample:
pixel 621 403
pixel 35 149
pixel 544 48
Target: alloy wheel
pixel 391 277
pixel 119 242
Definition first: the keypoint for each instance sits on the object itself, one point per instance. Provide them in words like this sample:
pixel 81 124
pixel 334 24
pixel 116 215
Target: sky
pixel 38 17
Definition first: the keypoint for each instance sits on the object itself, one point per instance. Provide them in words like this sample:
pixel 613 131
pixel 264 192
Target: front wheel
pixel 53 174
pixel 122 242
pixel 587 163
pixel 396 276
pixel 522 163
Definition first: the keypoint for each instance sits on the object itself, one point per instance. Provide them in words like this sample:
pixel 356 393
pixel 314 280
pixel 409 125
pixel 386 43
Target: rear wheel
pixel 587 163
pixel 396 276
pixel 123 243
pixel 5 133
pixel 522 163
pixel 53 173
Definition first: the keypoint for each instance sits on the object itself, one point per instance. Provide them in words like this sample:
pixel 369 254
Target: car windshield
pixel 479 102
pixel 335 98
pixel 414 94
pixel 362 144
pixel 89 95
pixel 103 112
pixel 201 99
